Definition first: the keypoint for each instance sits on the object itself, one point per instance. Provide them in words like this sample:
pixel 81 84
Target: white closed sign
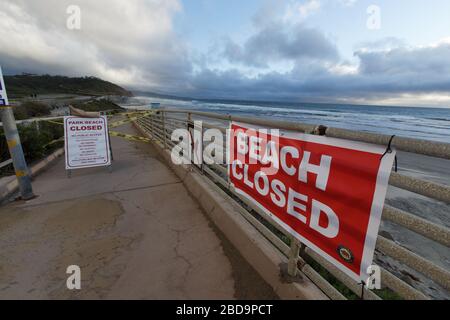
pixel 86 142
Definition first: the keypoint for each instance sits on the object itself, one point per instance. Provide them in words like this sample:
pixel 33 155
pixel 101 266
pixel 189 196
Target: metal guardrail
pixel 160 125
pixel 6 163
pixel 35 120
pixel 43 119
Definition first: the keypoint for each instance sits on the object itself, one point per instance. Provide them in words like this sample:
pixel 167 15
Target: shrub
pixel 29 109
pixel 35 143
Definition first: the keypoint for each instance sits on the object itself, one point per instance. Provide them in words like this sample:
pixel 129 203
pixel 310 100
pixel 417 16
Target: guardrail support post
pixel 164 128
pixel 293 257
pixel 16 152
pixel 152 130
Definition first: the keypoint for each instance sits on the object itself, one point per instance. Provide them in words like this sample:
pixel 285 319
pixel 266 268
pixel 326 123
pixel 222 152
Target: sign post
pixel 327 193
pixel 86 142
pixel 14 144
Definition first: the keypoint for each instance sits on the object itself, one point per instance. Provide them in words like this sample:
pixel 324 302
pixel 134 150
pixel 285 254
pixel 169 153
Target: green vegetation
pixel 385 293
pixel 30 109
pixel 38 139
pixel 36 142
pixel 99 105
pixel 20 86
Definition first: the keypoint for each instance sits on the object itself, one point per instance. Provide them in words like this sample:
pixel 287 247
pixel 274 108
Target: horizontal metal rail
pixel 421 226
pixel 401 287
pixel 433 271
pixel 32 120
pixel 426 188
pixel 425 147
pixel 6 163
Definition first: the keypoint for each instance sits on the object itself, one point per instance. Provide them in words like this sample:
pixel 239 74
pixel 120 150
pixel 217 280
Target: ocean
pixel 412 122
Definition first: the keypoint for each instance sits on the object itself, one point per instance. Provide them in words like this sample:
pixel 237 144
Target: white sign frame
pixel 96 142
pixel 3 96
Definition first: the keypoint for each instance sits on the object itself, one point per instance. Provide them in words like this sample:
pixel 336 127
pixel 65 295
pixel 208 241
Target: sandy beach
pixel 431 169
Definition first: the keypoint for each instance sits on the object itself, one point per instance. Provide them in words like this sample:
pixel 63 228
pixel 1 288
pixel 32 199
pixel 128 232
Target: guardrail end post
pixel 16 152
pixel 164 129
pixel 293 257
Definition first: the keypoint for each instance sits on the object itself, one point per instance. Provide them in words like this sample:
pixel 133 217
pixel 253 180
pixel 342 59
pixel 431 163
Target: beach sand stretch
pixel 431 169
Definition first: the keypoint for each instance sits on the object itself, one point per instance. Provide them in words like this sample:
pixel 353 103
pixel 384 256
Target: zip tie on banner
pixel 388 149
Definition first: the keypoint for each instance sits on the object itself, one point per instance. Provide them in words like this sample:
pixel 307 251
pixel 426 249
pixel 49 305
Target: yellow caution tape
pixel 125 121
pixel 11 143
pixel 54 141
pixel 21 173
pixel 128 136
pixel 111 133
pixel 54 122
pixel 136 112
pixel 117 123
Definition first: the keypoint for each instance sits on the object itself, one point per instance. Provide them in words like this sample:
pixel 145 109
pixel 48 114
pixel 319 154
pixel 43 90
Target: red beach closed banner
pixel 328 193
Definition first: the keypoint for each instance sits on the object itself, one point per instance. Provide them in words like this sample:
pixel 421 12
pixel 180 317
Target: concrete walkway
pixel 135 233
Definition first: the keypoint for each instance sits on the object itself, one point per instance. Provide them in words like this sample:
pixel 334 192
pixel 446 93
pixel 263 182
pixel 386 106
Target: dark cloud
pixel 277 42
pixel 381 74
pixel 404 61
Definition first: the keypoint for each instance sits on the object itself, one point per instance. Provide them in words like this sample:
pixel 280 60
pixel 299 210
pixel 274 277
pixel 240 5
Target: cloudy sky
pixel 355 51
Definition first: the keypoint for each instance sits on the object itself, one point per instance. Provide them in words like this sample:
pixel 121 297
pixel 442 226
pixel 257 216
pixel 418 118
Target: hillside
pixel 19 86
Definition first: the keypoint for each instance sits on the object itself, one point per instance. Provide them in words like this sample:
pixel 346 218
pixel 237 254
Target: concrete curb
pixel 12 186
pixel 252 245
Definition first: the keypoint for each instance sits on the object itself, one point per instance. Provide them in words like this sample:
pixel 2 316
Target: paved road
pixel 135 233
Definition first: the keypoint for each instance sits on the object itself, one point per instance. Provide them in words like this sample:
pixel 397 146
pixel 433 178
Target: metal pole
pixel 152 130
pixel 16 152
pixel 164 128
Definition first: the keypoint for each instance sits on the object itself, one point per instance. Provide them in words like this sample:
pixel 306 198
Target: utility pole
pixel 14 145
pixel 16 152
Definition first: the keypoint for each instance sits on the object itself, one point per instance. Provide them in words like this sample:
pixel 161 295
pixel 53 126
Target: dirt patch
pixel 39 243
pixel 90 242
pixel 85 217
